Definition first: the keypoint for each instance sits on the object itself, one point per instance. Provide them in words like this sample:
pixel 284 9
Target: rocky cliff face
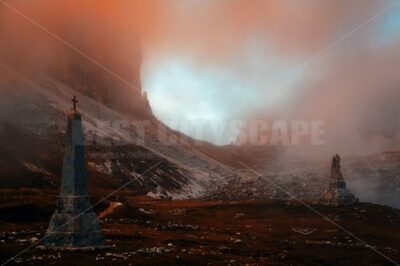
pixel 115 83
pixel 101 66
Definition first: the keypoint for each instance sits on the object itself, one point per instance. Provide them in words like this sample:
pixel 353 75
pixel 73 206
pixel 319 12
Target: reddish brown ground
pixel 207 233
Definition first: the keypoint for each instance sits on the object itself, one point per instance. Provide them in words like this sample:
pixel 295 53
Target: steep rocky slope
pixel 120 145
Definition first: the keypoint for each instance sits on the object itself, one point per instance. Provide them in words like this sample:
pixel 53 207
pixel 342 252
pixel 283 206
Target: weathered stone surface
pixel 74 224
pixel 337 194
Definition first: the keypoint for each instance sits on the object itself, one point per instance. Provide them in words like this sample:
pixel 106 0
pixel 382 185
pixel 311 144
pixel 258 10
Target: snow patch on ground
pixel 195 188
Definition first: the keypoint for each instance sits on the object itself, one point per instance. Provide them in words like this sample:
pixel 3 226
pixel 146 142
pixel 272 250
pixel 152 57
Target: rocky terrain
pixel 121 145
pixel 199 206
pixel 144 231
pixel 372 178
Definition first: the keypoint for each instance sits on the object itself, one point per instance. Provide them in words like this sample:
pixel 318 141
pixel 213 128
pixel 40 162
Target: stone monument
pixel 74 225
pixel 337 194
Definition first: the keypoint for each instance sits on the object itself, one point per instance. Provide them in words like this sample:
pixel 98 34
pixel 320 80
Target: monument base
pixel 74 230
pixel 336 197
pixel 73 225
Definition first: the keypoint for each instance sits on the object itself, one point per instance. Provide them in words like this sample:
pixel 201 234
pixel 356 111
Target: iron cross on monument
pixel 74 101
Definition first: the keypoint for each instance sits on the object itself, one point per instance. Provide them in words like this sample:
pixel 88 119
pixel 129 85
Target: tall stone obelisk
pixel 74 224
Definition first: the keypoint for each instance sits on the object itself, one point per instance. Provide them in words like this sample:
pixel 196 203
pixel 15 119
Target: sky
pixel 272 61
pixel 208 63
